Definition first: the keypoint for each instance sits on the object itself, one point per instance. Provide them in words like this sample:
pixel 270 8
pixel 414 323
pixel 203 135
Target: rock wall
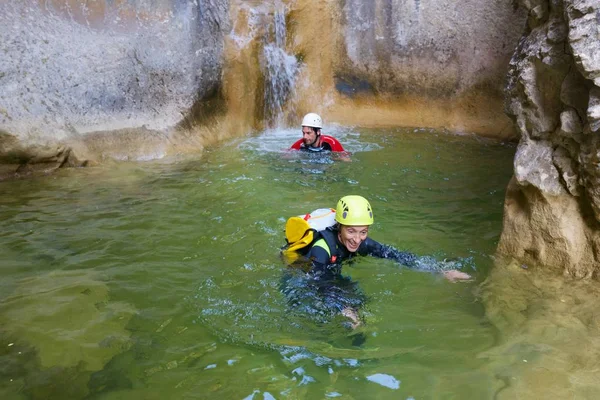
pixel 434 63
pixel 73 70
pixel 552 207
pixel 89 80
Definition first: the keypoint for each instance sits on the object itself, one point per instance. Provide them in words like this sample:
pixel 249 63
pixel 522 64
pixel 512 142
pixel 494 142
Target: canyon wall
pixel 552 206
pixel 548 330
pixel 434 63
pixel 84 81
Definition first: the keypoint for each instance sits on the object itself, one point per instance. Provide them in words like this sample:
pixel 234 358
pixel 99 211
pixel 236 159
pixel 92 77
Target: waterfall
pixel 280 71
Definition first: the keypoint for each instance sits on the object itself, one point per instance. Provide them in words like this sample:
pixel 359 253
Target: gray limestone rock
pixel 570 123
pixel 567 169
pixel 584 36
pixel 534 166
pixel 554 97
pixel 593 111
pixel 119 65
pixel 426 47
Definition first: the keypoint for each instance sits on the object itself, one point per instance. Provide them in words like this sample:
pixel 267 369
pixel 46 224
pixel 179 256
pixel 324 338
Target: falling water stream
pixel 163 279
pixel 280 71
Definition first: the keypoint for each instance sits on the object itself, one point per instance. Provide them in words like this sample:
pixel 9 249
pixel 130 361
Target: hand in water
pixel 455 275
pixel 342 156
pixel 353 315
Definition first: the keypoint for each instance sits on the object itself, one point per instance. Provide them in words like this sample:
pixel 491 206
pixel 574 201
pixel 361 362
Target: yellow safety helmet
pixel 354 210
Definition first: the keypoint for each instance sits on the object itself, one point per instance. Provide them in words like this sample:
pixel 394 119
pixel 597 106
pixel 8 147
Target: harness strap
pixel 329 238
pixel 323 244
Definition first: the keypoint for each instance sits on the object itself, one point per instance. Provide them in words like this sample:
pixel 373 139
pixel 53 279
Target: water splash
pixel 280 139
pixel 385 380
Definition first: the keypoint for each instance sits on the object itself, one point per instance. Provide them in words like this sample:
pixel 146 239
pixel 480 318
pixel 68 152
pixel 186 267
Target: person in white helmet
pixel 313 139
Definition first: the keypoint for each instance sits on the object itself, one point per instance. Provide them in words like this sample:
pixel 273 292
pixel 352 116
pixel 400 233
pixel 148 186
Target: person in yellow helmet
pixel 349 238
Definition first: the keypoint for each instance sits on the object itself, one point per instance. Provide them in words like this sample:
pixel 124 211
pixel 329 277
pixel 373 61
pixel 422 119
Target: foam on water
pixel 279 140
pixel 385 380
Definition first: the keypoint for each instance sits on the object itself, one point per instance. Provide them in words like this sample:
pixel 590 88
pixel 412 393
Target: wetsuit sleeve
pixel 322 266
pixel 370 247
pixel 318 255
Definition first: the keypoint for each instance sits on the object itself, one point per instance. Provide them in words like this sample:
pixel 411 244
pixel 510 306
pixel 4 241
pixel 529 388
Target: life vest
pixel 304 230
pixel 328 243
pixel 330 140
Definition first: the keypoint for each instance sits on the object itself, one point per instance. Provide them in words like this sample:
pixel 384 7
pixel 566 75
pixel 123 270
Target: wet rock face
pixel 435 63
pixel 552 208
pixel 139 79
pixel 70 68
pixel 438 47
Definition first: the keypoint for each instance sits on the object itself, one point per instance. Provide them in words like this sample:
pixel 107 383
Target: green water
pixel 163 279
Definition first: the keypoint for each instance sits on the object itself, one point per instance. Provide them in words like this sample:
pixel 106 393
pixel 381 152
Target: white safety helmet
pixel 312 120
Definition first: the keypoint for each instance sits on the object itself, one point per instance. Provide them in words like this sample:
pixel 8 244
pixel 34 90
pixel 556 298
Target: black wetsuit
pixel 322 291
pixel 327 265
pixel 324 147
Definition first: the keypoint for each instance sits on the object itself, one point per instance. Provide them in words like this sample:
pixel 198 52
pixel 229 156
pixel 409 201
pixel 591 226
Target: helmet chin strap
pixel 317 140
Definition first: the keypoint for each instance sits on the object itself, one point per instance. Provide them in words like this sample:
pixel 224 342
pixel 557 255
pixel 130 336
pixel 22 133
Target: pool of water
pixel 164 280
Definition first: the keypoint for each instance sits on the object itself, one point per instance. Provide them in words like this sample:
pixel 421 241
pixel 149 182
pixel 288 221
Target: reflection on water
pixel 164 280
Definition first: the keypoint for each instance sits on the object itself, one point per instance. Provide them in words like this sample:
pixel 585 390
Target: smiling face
pixel 352 236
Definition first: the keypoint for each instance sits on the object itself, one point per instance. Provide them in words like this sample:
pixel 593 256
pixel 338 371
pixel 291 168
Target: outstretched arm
pixel 370 247
pixel 373 248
